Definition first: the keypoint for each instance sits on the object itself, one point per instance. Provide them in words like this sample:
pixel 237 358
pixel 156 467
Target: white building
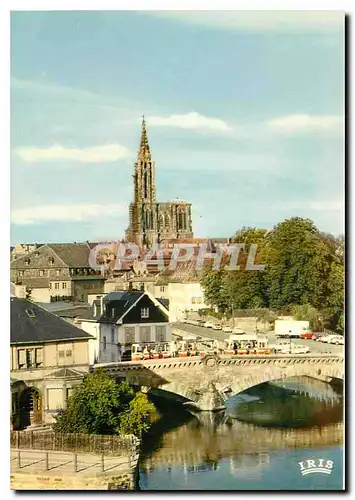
pixel 121 319
pixel 185 296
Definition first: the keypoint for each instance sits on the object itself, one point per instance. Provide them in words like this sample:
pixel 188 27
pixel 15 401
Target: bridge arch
pixel 324 372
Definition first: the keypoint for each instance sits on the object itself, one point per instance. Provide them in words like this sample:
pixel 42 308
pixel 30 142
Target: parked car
pixel 306 335
pixel 282 345
pixel 227 329
pixel 238 331
pixel 295 349
pixel 217 326
pixel 208 324
pixel 316 336
pixel 337 340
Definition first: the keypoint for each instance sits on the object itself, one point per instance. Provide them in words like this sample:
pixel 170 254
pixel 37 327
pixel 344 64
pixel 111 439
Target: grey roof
pixel 131 296
pixel 120 302
pixel 73 254
pixel 66 373
pixel 77 312
pixel 61 306
pixel 34 282
pixel 164 302
pixel 31 323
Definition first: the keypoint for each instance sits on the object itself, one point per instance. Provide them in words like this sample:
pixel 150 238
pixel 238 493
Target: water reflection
pixel 262 421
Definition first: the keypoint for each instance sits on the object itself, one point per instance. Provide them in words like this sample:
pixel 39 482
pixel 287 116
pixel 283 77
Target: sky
pixel 244 111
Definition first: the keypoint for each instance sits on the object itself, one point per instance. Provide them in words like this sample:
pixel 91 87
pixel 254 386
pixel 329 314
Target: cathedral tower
pixel 149 221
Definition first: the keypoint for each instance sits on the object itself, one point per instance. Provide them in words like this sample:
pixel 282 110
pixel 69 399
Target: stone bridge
pixel 207 386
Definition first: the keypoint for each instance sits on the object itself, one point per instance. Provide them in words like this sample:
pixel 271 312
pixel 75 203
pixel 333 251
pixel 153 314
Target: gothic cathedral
pixel 151 222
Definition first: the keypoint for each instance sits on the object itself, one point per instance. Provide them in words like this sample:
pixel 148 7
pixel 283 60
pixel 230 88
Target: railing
pixel 81 443
pixel 237 360
pixel 67 462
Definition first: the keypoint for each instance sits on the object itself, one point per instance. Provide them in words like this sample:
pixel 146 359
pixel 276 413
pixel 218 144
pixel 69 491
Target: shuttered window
pixel 21 357
pixel 129 334
pixel 55 399
pixel 160 333
pixel 144 333
pixel 39 357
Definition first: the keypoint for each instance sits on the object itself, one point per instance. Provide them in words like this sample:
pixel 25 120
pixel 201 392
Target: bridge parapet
pixel 195 361
pixel 207 387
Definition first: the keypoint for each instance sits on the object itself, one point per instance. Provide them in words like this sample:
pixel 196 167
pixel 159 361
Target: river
pixel 256 444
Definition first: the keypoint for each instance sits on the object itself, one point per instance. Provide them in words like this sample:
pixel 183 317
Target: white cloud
pixel 306 123
pixel 70 213
pixel 94 154
pixel 270 20
pixel 190 121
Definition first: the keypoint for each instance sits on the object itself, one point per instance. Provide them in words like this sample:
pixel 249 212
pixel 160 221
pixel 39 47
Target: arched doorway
pixel 30 407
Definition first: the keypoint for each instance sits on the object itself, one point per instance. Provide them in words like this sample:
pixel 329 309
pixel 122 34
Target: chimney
pixel 102 307
pixel 97 309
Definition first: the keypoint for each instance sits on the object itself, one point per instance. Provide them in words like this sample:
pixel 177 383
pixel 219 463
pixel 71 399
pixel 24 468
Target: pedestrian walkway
pixel 61 463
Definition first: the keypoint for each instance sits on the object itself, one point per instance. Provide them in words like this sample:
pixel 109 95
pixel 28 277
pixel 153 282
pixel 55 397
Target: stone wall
pixel 23 481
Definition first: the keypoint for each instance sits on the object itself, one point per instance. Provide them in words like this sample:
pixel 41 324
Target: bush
pixel 100 405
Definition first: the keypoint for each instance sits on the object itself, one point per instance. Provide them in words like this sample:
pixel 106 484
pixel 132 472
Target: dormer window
pixel 51 261
pixel 113 312
pixel 145 312
pixel 30 313
pixel 27 262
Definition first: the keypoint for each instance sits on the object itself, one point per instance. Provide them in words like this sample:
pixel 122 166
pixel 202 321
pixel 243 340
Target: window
pixel 104 342
pixel 144 332
pixel 50 285
pixel 129 333
pixel 145 312
pixel 68 393
pixel 39 357
pixel 64 285
pixel 29 357
pixel 21 358
pixel 41 272
pixel 57 272
pixel 30 313
pixel 56 286
pixel 112 335
pixel 27 262
pixel 160 333
pixel 21 273
pixel 61 354
pixel 51 261
pixel 162 288
pixel 69 353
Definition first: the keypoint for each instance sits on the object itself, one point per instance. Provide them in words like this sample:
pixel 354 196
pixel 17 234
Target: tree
pixel 306 312
pixel 237 289
pixel 211 283
pixel 96 406
pixel 297 263
pixel 138 417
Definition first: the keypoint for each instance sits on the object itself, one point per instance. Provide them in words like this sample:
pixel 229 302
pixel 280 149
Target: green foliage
pixel 304 267
pixel 138 417
pixel 96 406
pixel 306 312
pixel 211 282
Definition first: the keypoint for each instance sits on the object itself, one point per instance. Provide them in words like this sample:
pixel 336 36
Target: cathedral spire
pixel 144 150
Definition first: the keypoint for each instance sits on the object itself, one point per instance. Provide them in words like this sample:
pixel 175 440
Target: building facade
pixel 48 357
pixel 121 319
pixel 55 272
pixel 149 220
